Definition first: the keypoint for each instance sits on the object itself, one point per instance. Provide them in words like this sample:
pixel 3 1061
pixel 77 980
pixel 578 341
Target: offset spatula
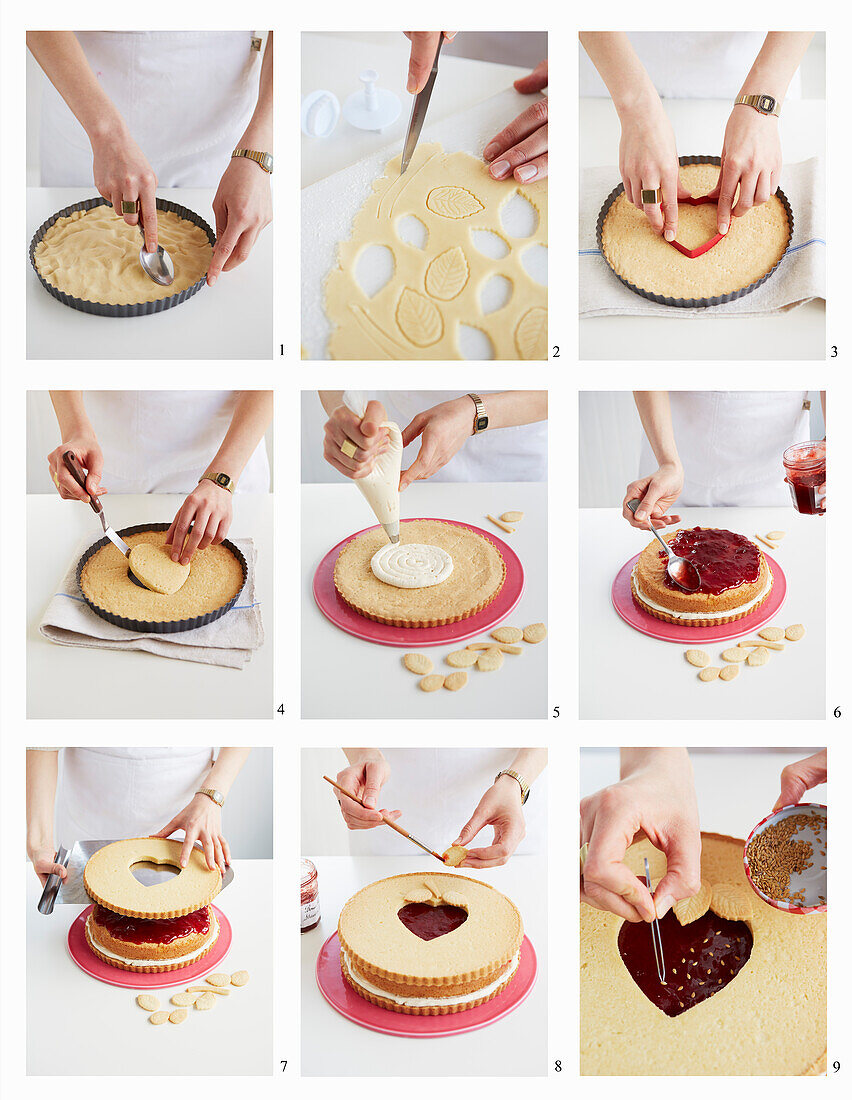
pixel 396 828
pixel 51 888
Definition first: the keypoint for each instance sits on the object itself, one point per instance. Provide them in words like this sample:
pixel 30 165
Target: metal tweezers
pixel 656 938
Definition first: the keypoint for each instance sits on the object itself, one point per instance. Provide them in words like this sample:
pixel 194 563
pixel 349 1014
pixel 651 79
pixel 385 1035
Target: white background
pixel 564 377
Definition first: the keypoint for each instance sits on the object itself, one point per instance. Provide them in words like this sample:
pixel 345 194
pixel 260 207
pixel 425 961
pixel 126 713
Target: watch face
pixel 481 423
pixel 767 103
pixel 223 480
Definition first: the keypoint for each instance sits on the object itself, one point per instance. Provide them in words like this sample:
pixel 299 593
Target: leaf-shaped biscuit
pixel 453 202
pixel 418 319
pixel 531 334
pixel 447 274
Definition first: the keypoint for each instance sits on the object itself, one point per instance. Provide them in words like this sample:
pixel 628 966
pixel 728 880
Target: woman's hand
pixel 208 510
pixel 500 807
pixel 657 494
pixel 751 160
pixel 647 158
pixel 657 801
pixel 424 45
pixel 243 207
pixel 44 866
pixel 521 149
pixel 201 820
pixel 364 778
pixel 367 434
pixel 797 779
pixel 445 429
pixel 122 172
pixel 88 453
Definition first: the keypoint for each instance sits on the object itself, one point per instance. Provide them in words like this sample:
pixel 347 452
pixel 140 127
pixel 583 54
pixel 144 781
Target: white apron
pixel 731 443
pixel 186 97
pixel 437 791
pixel 690 64
pixel 110 794
pixel 503 454
pixel 162 441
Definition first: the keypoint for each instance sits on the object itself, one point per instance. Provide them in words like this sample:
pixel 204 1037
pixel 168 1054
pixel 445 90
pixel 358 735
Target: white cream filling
pixel 429 1002
pixel 140 963
pixel 701 614
pixel 411 564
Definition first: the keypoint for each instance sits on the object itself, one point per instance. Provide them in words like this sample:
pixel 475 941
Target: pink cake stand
pixel 90 964
pixel 622 601
pixel 339 613
pixel 345 1000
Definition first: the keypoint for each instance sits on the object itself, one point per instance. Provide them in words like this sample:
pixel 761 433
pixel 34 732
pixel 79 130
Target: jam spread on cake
pixel 163 930
pixel 430 921
pixel 724 559
pixel 701 958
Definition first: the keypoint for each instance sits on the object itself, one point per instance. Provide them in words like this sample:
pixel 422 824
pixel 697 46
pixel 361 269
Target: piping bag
pixel 380 487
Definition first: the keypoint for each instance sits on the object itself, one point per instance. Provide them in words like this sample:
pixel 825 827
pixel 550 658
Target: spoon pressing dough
pixel 155 569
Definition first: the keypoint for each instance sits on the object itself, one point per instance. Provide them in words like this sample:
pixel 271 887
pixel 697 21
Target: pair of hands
pixel 499 807
pixel 201 821
pixel 444 430
pixel 242 206
pixel 203 519
pixel 520 150
pixel 658 801
pixel 751 160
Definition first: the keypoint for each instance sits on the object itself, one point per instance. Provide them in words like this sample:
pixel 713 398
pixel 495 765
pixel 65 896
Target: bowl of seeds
pixel 785 859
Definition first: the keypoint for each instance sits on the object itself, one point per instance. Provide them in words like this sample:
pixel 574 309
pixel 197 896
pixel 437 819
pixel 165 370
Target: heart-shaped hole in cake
pixel 701 958
pixel 152 874
pixel 428 922
pixel 702 232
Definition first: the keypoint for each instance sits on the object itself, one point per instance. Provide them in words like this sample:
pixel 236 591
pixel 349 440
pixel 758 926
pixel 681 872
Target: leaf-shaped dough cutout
pixel 453 202
pixel 374 269
pixel 411 230
pixel 418 319
pixel 474 343
pixel 447 275
pixel 534 260
pixel 495 294
pixel 489 244
pixel 531 334
pixel 518 216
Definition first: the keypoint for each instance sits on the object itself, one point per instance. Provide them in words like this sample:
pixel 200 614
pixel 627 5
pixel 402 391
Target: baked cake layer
pixel 151 940
pixel 157 962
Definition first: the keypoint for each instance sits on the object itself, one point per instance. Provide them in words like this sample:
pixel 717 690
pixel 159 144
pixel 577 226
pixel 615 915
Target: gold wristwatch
pixel 222 480
pixel 263 159
pixel 763 104
pixel 480 419
pixel 213 795
pixel 522 783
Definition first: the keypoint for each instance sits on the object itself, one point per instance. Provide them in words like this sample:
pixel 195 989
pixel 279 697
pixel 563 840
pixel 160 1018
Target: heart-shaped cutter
pixel 694 253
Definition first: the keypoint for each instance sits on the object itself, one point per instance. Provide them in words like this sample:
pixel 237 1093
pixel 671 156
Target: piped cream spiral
pixel 411 565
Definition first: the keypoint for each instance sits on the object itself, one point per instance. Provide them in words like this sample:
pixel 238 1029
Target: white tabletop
pixel 699 126
pixel 130 684
pixel 78 1025
pixel 625 674
pixel 736 788
pixel 333 62
pixel 515 1046
pixel 233 320
pixel 369 679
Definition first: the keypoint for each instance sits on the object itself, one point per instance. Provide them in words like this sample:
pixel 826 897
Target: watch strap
pixel 263 159
pixel 763 104
pixel 522 783
pixel 480 418
pixel 220 479
pixel 212 794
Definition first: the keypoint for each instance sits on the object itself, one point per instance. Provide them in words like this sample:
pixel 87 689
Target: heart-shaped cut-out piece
pixel 701 958
pixel 694 253
pixel 431 921
pixel 156 570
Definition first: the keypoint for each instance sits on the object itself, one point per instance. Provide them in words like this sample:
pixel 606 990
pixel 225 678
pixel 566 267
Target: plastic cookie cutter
pixel 782 862
pixel 371 108
pixel 320 113
pixel 656 938
pixel 682 572
pixel 694 253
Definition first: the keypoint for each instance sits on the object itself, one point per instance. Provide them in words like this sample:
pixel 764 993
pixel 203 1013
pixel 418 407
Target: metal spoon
pixel 158 265
pixel 682 572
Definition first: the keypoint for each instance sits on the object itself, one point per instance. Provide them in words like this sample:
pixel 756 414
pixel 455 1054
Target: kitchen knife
pixel 418 112
pixel 76 471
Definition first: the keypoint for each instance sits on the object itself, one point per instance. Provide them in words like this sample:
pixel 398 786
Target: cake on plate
pixel 429 944
pixel 735 578
pixel 745 990
pixel 150 928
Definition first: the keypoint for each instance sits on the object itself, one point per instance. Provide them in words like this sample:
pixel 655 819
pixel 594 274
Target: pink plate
pixel 345 1000
pixel 90 964
pixel 622 601
pixel 339 613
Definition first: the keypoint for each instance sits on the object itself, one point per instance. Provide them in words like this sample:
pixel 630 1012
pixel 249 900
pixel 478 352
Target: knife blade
pixel 418 112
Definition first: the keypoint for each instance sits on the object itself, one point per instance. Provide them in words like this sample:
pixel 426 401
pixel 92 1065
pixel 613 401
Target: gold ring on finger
pixel 128 206
pixel 651 195
pixel 348 448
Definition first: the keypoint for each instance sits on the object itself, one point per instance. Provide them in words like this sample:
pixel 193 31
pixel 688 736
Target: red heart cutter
pixel 694 253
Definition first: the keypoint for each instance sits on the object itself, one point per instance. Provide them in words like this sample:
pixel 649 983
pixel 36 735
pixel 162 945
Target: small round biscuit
pixel 456 680
pixel 218 979
pixel 461 658
pixel 535 633
pixel 512 517
pixel 758 656
pixel 510 635
pixel 177 1016
pixel 490 660
pixel 708 674
pixel 734 654
pixel 418 663
pixel 794 633
pixel 240 977
pixel 729 672
pixel 148 1001
pixel 432 683
pixel 771 633
pixel 184 999
pixel 205 1002
pixel 776 535
pixel 158 1018
pixel 697 657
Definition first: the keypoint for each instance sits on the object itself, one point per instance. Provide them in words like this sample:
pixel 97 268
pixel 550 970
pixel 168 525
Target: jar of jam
pixel 310 896
pixel 804 465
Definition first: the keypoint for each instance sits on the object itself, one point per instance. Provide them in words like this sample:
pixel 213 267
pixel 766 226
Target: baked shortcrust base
pixel 770 1020
pixel 477 577
pixel 150 957
pixel 393 968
